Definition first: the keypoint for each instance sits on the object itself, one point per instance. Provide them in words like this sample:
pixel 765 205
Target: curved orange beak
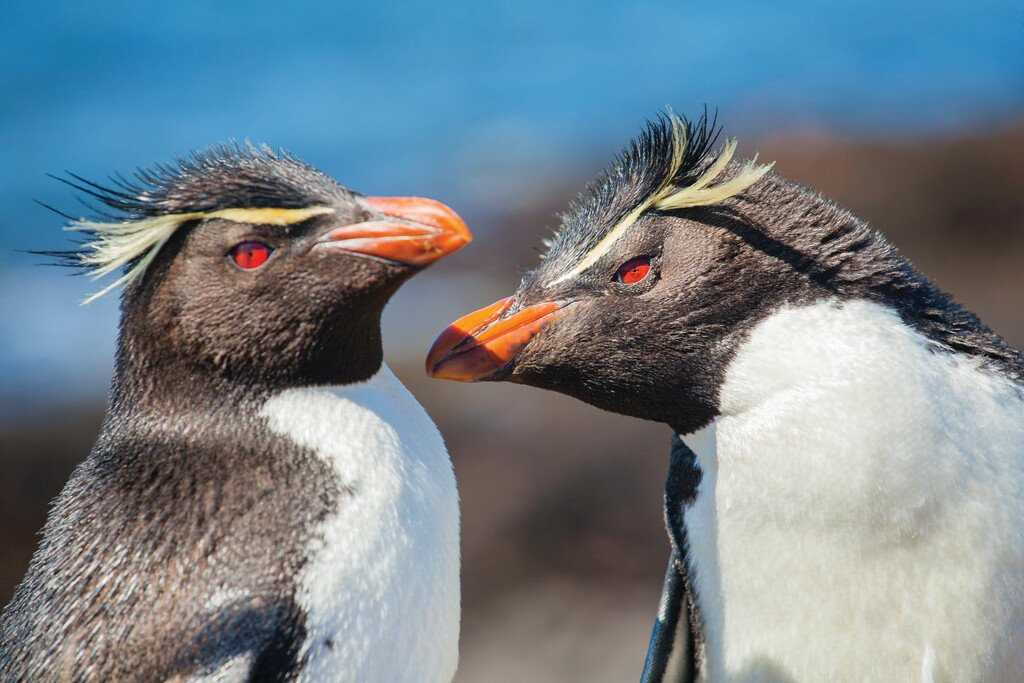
pixel 416 232
pixel 478 344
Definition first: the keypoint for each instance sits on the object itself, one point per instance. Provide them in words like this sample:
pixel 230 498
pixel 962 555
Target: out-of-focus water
pixel 474 103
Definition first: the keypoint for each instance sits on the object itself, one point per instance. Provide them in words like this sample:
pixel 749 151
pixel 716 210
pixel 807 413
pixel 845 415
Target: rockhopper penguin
pixel 265 500
pixel 860 515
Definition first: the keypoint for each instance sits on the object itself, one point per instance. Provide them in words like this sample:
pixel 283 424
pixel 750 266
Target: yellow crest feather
pixel 118 244
pixel 668 197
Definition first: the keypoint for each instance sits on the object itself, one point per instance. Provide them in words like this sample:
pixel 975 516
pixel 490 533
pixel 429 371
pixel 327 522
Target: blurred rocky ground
pixel 563 547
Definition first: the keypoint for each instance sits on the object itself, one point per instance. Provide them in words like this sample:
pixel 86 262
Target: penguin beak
pixel 477 345
pixel 411 230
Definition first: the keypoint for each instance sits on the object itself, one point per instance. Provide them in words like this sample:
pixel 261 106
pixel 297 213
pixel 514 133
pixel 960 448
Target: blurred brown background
pixel 563 545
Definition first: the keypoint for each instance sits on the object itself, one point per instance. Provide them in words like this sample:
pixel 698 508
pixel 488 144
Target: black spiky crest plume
pixel 671 165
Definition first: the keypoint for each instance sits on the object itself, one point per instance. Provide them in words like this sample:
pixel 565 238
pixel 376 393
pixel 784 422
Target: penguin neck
pixel 152 374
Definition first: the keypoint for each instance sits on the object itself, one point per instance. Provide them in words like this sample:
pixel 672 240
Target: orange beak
pixel 478 344
pixel 418 231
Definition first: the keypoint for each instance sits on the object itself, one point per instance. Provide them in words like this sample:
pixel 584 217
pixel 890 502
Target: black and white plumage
pixel 265 500
pixel 858 509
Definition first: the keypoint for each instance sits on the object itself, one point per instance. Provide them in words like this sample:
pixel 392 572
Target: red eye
pixel 249 255
pixel 633 271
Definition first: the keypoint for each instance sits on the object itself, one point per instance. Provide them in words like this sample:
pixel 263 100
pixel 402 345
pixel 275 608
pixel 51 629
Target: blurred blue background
pixel 479 104
pixel 911 113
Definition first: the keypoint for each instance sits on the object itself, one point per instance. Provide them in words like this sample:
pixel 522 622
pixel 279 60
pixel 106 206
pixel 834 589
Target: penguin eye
pixel 250 255
pixel 633 271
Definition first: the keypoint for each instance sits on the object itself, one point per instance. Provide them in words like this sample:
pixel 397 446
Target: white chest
pixel 861 513
pixel 381 589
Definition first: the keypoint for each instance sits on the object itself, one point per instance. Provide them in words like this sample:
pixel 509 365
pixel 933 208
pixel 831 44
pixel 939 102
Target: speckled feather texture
pixel 381 588
pixel 311 536
pixel 859 516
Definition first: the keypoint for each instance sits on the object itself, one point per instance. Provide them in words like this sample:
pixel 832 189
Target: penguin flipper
pixel 255 641
pixel 680 492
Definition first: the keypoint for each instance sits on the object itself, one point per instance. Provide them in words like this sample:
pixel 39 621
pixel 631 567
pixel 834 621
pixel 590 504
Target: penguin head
pixel 255 265
pixel 632 307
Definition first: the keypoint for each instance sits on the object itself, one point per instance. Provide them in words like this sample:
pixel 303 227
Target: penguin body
pixel 859 516
pixel 339 547
pixel 859 512
pixel 265 501
pixel 392 548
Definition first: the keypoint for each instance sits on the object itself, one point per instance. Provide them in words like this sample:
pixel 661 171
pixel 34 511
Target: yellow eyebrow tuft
pixel 702 193
pixel 668 197
pixel 116 244
pixel 270 216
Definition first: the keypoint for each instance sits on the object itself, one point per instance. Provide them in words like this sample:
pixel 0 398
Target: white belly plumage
pixel 381 587
pixel 861 512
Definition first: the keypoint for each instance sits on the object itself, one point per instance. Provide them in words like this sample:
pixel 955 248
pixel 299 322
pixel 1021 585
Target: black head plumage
pixel 648 163
pixel 133 217
pixel 228 175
